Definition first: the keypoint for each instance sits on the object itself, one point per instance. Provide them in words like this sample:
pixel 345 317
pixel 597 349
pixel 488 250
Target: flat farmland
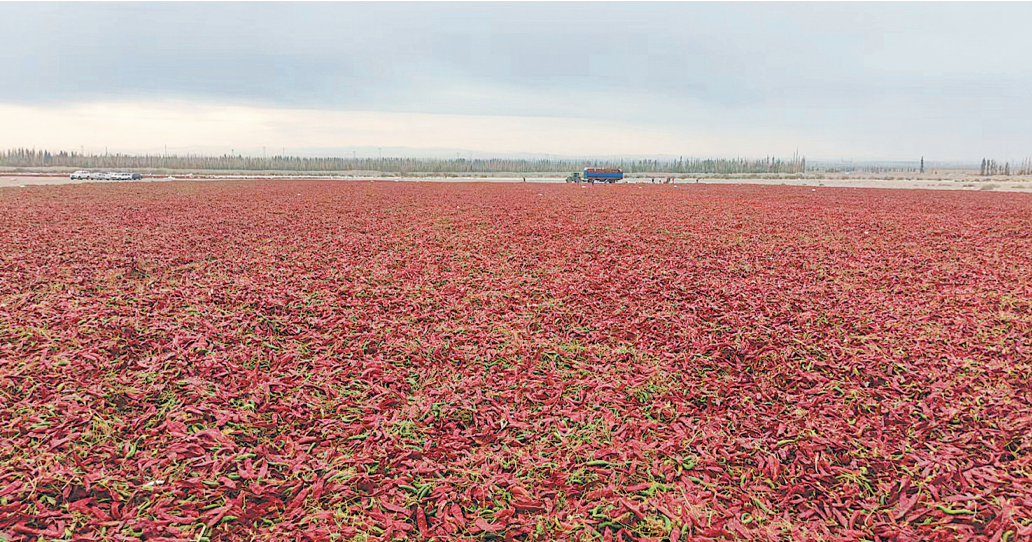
pixel 318 360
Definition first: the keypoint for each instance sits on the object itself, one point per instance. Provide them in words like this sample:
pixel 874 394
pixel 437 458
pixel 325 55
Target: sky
pixel 949 81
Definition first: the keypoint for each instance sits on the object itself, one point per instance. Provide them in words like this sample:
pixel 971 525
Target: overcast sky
pixel 948 81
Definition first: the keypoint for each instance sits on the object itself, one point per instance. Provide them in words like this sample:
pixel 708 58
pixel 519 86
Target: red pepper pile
pixel 334 360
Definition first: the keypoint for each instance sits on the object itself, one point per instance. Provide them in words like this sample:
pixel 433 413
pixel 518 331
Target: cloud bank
pixel 880 80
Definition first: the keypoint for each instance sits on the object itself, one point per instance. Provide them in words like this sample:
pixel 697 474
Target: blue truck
pixel 599 174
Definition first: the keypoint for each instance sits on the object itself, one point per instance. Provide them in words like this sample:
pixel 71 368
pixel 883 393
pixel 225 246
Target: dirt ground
pixel 927 182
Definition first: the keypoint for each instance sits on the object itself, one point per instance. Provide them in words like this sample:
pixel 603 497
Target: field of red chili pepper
pixel 348 361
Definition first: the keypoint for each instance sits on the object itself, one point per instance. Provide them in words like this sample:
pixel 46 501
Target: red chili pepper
pixel 421 522
pixel 453 359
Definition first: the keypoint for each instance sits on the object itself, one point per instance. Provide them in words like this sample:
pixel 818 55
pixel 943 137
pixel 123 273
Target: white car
pixel 81 174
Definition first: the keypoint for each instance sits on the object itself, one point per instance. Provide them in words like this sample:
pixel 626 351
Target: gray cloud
pixel 845 67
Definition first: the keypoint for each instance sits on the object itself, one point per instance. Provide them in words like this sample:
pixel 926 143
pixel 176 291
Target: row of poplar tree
pixel 46 158
pixel 992 167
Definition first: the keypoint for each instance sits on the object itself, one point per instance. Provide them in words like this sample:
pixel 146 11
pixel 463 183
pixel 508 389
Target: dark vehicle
pixel 137 176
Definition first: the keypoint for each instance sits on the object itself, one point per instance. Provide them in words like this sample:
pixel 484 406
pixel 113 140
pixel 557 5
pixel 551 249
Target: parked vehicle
pixel 83 174
pixel 600 174
pixel 603 174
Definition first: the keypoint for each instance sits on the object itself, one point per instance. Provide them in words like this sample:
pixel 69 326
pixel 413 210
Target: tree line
pixel 991 167
pixel 225 162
